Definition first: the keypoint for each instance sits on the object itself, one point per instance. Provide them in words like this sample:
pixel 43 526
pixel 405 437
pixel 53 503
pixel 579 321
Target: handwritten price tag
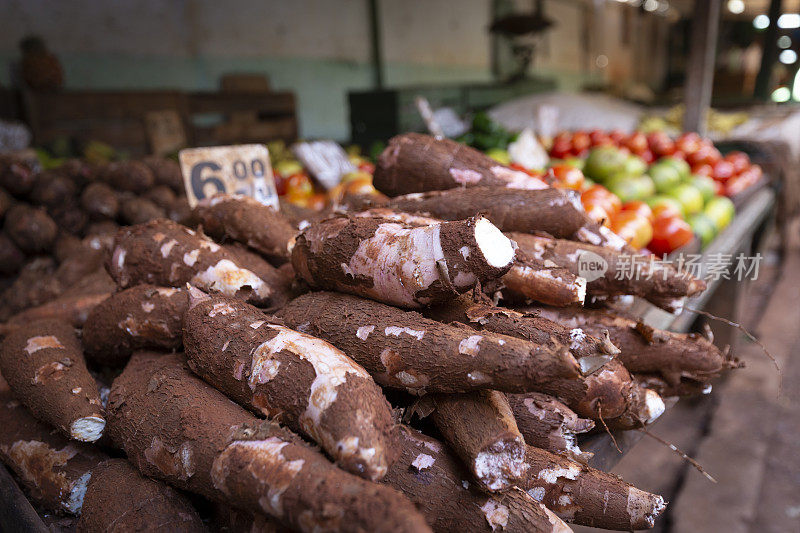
pixel 326 160
pixel 243 169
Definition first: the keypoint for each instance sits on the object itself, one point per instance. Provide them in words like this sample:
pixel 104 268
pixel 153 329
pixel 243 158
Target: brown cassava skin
pixel 100 201
pixel 11 257
pixel 142 317
pixel 31 229
pixel 548 424
pixel 73 309
pixel 52 188
pixel 556 212
pixel 176 428
pixel 532 280
pixel 69 217
pixel 6 201
pixel 35 284
pixel 138 210
pixel 676 357
pixel 587 496
pixel 180 211
pixel 161 195
pixel 133 176
pixel 413 162
pixel 486 317
pixel 655 281
pixel 165 172
pixel 403 350
pixel 53 469
pixel 443 490
pixel 229 519
pixel 16 176
pixel 478 425
pixel 249 222
pixel 300 217
pixel 162 252
pixel 291 377
pixel 392 262
pixel 44 366
pixel 686 387
pixel 119 500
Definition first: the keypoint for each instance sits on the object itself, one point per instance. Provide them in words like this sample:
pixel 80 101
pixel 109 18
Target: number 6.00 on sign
pixel 244 169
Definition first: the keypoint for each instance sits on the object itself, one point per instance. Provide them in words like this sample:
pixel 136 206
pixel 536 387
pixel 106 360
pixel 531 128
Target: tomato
pixel 567 176
pixel 688 143
pixel 677 154
pixel 597 213
pixel 581 141
pixel 639 207
pixel 299 184
pixel 561 149
pixel 719 188
pixel 666 210
pixel 739 160
pixel 317 202
pixel 648 156
pixel 669 234
pixel 632 227
pixel 563 136
pixel 602 196
pixel 359 186
pixel 616 136
pixel 746 179
pixel 367 166
pixel 636 142
pixel 703 169
pixel 660 143
pixel 722 170
pixel 280 183
pixel 600 138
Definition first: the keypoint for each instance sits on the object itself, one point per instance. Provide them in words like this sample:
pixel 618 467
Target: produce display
pixel 413 355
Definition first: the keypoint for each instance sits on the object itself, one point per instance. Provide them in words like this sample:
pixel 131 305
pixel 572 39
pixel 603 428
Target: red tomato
pixel 367 166
pixel 581 141
pixel 678 155
pixel 666 210
pixel 563 136
pixel 722 170
pixel 636 142
pixel 660 143
pixel 600 138
pixel 602 196
pixel 740 161
pixel 688 143
pixel 703 169
pixel 597 213
pixel 648 156
pixel 719 188
pixel 669 234
pixel 280 183
pixel 633 227
pixel 567 176
pixel 746 179
pixel 561 149
pixel 640 208
pixel 756 169
pixel 700 156
pixel 317 202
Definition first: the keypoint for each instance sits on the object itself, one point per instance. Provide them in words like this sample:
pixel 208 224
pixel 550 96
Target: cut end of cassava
pixel 74 503
pixel 580 289
pixel 643 508
pixel 592 363
pixel 496 248
pixel 87 429
pixel 653 406
pixel 559 526
pixel 500 466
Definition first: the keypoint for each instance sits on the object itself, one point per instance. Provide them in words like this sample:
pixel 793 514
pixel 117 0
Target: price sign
pixel 325 160
pixel 243 169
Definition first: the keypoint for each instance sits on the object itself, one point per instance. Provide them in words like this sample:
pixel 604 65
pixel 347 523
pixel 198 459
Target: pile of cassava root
pixel 424 365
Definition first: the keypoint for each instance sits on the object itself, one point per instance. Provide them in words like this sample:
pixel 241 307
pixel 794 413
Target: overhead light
pixel 796 89
pixel 784 41
pixel 789 21
pixel 736 6
pixel 601 61
pixel 650 5
pixel 788 57
pixel 761 22
pixel 781 94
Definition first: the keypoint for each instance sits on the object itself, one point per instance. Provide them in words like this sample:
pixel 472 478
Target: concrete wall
pixel 317 48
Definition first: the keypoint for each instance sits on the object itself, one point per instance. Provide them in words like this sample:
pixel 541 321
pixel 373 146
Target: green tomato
pixel 703 227
pixel 683 168
pixel 690 198
pixel 721 211
pixel 659 200
pixel 705 185
pixel 603 162
pixel 635 165
pixel 499 155
pixel 632 188
pixel 575 162
pixel 664 176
